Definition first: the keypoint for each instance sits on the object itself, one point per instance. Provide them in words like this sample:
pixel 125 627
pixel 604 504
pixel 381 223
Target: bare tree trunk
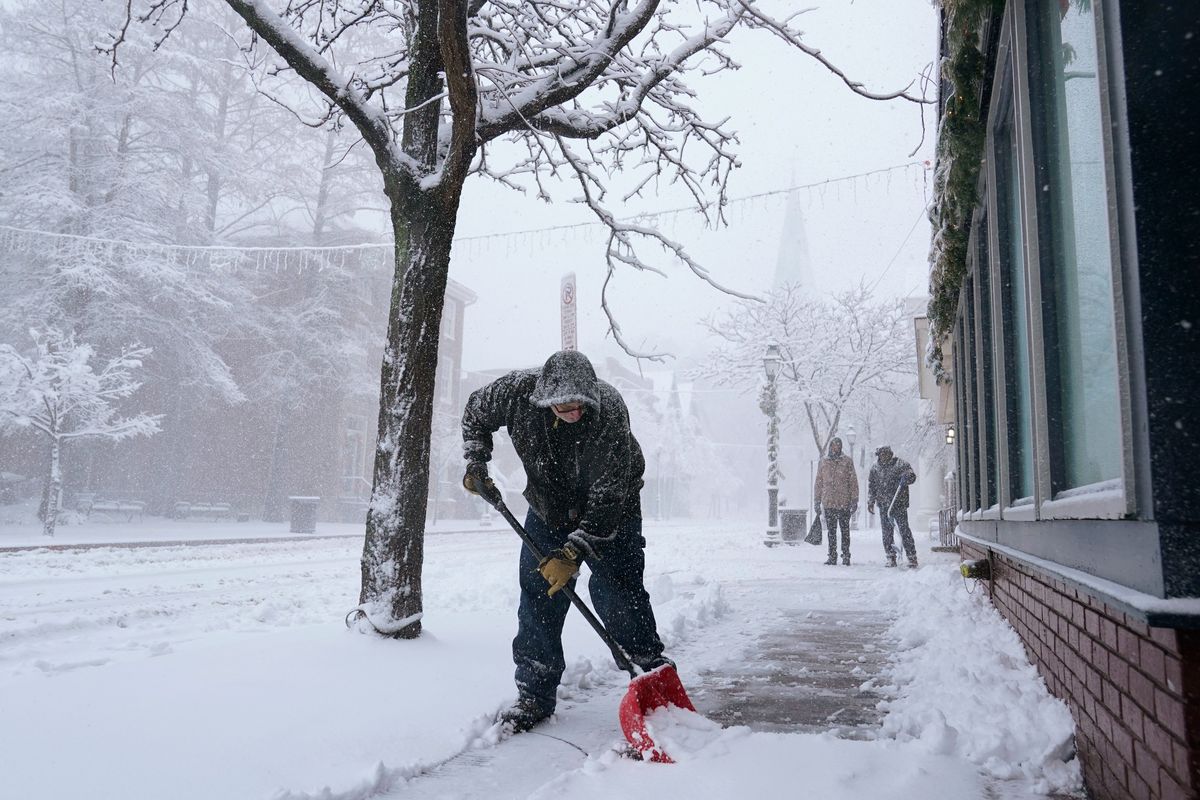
pixel 393 554
pixel 53 487
pixel 273 501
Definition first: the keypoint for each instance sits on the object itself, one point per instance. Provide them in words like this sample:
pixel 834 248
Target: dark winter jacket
pixel 882 483
pixel 586 474
pixel 837 483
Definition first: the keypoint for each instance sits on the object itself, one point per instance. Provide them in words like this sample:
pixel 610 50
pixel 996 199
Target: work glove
pixel 559 568
pixel 871 507
pixel 853 510
pixel 587 544
pixel 476 477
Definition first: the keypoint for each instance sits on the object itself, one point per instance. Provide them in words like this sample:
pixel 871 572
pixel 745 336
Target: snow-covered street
pixel 224 670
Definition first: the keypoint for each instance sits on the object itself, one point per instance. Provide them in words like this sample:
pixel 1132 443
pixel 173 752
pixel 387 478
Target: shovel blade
pixel 656 689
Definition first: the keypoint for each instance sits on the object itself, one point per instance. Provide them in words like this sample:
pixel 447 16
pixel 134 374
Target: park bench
pixel 183 510
pixel 128 508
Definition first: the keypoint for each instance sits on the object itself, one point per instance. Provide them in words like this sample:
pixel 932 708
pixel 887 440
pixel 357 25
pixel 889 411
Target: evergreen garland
pixel 961 136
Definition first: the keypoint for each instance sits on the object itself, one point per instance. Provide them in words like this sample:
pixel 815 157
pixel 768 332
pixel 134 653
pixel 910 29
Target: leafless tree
pixel 835 352
pixel 577 89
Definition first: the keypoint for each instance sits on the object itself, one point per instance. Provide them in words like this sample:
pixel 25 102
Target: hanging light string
pixel 373 254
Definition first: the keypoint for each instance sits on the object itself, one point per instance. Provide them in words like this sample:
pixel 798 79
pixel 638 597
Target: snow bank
pixel 715 762
pixel 963 685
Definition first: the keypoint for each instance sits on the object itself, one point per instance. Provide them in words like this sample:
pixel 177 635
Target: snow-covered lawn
pixel 224 671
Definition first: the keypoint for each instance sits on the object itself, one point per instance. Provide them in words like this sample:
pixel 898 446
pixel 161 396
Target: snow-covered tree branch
pixel 834 350
pixel 56 391
pixel 439 89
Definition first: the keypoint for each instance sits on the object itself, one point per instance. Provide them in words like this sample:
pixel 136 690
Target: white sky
pixel 797 124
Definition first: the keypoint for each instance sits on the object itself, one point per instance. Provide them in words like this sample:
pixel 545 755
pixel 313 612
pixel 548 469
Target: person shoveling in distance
pixel 584 469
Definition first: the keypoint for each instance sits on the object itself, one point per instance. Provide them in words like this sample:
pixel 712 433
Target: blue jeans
pixel 618 596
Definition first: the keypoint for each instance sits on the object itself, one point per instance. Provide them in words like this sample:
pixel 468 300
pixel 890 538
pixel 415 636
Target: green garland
pixel 961 136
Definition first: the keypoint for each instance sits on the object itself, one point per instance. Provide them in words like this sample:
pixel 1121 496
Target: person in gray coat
pixel 887 487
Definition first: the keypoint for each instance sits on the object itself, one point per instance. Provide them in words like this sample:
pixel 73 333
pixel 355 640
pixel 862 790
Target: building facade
pixel 1075 357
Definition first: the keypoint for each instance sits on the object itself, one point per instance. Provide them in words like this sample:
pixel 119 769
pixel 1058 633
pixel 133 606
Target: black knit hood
pixel 567 377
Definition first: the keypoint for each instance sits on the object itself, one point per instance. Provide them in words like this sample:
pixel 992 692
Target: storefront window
pixel 1015 322
pixel 986 373
pixel 1074 243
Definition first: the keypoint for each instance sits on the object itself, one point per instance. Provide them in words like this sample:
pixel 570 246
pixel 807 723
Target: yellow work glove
pixel 559 568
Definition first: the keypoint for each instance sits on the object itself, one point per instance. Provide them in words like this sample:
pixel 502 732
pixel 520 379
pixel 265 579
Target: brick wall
pixel 1133 690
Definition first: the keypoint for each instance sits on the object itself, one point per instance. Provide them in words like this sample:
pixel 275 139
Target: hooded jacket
pixel 885 479
pixel 837 483
pixel 586 474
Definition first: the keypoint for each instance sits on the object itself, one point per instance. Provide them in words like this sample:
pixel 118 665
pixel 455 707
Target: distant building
pixel 1075 354
pixel 793 264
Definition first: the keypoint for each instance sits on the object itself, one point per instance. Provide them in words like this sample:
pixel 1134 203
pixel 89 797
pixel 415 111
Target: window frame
pixel 1113 498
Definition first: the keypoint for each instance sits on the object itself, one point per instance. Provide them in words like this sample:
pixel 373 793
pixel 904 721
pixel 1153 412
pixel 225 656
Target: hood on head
pixel 567 377
pixel 884 453
pixel 834 451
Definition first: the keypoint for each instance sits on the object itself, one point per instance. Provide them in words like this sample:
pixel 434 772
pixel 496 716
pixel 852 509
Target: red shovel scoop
pixel 658 688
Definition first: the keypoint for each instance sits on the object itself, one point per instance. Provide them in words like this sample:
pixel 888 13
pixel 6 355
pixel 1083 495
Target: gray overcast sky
pixel 797 124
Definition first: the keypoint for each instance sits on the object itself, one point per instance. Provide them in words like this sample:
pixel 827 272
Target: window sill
pixel 1104 500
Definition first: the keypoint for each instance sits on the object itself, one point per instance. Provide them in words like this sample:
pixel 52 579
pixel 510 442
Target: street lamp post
pixel 769 403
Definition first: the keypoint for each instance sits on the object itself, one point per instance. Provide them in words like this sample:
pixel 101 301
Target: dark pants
pixel 618 597
pixel 833 518
pixel 898 519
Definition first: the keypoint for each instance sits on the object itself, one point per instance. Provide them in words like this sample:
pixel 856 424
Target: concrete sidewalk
pixel 811 671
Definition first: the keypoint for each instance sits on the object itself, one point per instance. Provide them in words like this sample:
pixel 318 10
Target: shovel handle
pixel 494 499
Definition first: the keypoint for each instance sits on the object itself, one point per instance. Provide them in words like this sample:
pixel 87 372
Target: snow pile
pixel 716 762
pixel 963 685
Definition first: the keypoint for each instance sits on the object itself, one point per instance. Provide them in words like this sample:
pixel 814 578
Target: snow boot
pixel 831 561
pixel 912 562
pixel 891 560
pixel 523 715
pixel 846 560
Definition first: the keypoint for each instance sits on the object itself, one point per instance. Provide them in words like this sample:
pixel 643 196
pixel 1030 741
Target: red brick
pixel 1089 705
pixel 1169 788
pixel 1142 690
pixel 1093 682
pixel 1127 645
pixel 1108 633
pixel 1123 743
pixel 1118 673
pixel 1147 765
pixel 1165 638
pixel 1153 663
pixel 1138 626
pixel 1091 622
pixel 1132 716
pixel 1104 720
pixel 1179 758
pixel 1139 789
pixel 1073 637
pixel 1173 670
pixel 1112 698
pixel 1169 711
pixel 1159 742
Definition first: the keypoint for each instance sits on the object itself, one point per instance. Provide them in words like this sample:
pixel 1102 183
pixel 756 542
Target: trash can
pixel 304 514
pixel 791 524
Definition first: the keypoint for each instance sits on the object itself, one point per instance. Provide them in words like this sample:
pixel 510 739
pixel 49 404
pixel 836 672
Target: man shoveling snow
pixel 584 468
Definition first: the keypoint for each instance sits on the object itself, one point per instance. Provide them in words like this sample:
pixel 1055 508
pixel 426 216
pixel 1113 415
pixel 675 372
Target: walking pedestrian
pixel 887 487
pixel 836 492
pixel 584 469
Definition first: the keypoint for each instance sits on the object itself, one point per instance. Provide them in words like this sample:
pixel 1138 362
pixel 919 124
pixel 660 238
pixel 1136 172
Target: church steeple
pixel 793 264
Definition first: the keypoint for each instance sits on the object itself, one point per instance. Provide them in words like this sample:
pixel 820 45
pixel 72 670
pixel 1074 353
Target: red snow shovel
pixel 658 688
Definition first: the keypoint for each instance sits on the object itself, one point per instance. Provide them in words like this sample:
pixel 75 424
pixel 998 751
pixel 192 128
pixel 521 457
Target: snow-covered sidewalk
pixel 225 672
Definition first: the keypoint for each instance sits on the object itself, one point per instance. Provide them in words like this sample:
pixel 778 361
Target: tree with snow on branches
pixel 56 391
